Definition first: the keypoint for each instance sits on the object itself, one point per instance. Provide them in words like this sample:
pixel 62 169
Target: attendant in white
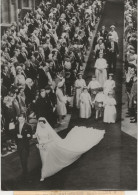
pixel 98 102
pixel 57 153
pixel 100 69
pixel 109 84
pixel 114 33
pixel 61 102
pixel 79 84
pixel 93 87
pixel 85 104
pixel 109 109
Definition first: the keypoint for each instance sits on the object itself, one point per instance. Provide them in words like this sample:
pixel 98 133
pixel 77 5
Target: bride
pixel 57 153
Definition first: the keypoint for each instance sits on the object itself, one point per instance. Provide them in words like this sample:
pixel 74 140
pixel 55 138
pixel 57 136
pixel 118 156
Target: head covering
pixel 18 68
pixel 110 74
pixel 28 80
pixel 79 73
pixel 112 26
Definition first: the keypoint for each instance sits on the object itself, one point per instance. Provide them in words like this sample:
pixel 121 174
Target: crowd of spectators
pixel 131 57
pixel 40 61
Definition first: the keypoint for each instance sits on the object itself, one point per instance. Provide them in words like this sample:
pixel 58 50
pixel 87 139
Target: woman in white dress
pixel 57 153
pixel 109 109
pixel 100 69
pixel 85 104
pixel 61 102
pixel 109 84
pixel 79 84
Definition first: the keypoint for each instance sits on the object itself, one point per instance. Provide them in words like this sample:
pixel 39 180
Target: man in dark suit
pixel 104 33
pixel 112 52
pixel 23 135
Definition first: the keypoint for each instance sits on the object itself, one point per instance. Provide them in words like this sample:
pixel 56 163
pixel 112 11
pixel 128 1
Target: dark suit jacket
pixel 23 143
pixel 104 35
pixel 116 50
pixel 29 94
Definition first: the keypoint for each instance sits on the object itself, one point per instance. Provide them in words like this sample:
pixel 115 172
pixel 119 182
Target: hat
pixel 112 26
pixel 18 68
pixel 79 73
pixel 28 80
pixel 110 74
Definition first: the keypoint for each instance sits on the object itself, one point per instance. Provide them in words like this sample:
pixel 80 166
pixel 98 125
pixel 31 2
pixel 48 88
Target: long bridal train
pixel 57 153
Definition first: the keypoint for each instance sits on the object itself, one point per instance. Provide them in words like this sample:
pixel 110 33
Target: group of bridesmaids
pixel 98 98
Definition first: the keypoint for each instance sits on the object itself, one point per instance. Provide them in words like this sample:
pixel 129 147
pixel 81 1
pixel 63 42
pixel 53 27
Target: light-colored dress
pixel 61 103
pixel 57 153
pixel 101 72
pixel 109 85
pixel 79 84
pixel 20 80
pixel 109 110
pixel 98 101
pixel 93 87
pixel 85 105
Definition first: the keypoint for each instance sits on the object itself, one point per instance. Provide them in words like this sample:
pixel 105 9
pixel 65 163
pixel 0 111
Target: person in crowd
pixel 98 104
pixel 79 84
pixel 41 105
pixel 113 33
pixel 29 92
pixel 20 77
pixel 4 91
pixel 104 33
pixel 50 106
pixel 109 84
pixel 100 69
pixel 42 77
pixel 61 103
pixel 85 104
pixel 9 112
pixel 21 100
pixel 109 109
pixel 68 83
pixel 96 38
pixel 53 99
pixel 99 48
pixel 112 52
pixel 7 77
pixel 23 133
pixel 93 87
pixel 133 95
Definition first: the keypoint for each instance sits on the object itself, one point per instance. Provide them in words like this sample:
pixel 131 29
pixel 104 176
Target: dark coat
pixel 23 143
pixel 116 50
pixel 29 94
pixel 104 34
pixel 43 80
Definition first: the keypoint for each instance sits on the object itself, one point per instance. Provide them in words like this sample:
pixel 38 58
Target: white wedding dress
pixel 57 153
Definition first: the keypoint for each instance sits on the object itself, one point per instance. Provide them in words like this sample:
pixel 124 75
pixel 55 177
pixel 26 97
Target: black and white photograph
pixel 68 95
